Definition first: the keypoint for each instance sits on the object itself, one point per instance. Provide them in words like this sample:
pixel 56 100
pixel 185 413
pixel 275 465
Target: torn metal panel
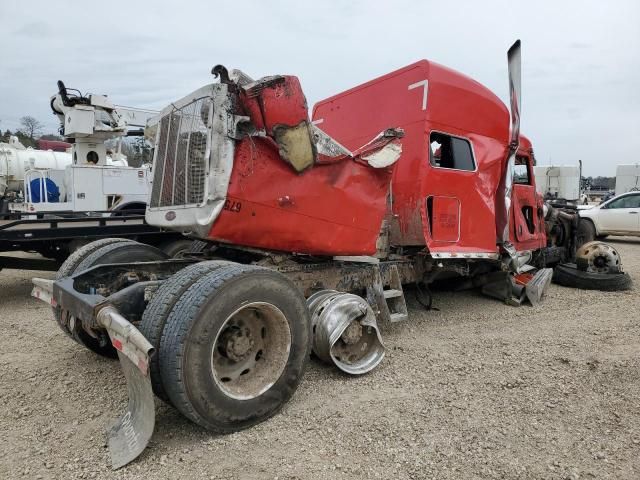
pixel 380 152
pixel 329 150
pixel 515 96
pixel 379 141
pixel 385 157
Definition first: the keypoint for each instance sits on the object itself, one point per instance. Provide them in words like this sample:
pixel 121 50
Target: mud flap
pixel 129 436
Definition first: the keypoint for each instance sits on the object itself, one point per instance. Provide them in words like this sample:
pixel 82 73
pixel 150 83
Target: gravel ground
pixel 475 390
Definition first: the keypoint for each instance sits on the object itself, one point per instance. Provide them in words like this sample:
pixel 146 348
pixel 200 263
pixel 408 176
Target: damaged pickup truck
pixel 308 230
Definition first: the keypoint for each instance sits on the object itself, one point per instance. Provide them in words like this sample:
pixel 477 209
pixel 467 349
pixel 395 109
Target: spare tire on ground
pixel 568 275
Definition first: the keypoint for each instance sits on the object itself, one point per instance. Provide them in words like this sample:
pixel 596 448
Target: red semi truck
pixel 308 229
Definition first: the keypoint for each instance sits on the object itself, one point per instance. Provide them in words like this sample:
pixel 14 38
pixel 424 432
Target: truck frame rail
pixel 46 233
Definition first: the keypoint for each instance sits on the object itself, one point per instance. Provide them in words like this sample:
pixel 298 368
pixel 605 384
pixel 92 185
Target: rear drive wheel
pixel 568 275
pixel 155 315
pixel 114 252
pixel 71 264
pixel 235 347
pixel 176 248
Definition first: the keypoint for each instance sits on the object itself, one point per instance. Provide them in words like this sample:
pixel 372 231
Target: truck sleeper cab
pixel 442 193
pixel 445 186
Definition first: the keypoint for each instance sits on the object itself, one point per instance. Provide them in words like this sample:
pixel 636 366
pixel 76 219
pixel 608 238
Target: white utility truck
pixel 54 202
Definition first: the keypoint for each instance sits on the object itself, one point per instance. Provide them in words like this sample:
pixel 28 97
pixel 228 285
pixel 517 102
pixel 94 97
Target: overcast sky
pixel 581 59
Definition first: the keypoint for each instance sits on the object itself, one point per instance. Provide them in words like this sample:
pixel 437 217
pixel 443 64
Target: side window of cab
pixel 447 151
pixel 521 174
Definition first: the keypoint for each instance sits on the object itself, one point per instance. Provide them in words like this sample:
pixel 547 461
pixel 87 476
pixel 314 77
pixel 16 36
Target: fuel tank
pixel 15 160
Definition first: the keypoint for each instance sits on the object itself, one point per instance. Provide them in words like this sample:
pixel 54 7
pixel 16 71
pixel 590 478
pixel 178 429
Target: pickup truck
pixel 617 216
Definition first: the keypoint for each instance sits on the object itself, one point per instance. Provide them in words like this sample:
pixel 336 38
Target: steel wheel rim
pixel 251 350
pixel 599 257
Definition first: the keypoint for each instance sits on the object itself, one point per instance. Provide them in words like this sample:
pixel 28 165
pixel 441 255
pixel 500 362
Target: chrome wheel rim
pixel 251 350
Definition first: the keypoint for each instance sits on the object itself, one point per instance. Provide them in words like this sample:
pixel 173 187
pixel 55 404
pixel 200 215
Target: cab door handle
pixel 635 213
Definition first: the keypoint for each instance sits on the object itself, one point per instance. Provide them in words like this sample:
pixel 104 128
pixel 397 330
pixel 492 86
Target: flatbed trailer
pixel 55 236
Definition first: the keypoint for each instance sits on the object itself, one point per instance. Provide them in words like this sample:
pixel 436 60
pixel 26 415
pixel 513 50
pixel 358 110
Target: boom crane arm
pixel 87 121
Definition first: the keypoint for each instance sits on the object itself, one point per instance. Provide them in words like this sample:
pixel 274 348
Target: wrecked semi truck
pixel 308 230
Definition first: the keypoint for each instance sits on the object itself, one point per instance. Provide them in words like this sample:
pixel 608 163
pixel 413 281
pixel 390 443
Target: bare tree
pixel 31 126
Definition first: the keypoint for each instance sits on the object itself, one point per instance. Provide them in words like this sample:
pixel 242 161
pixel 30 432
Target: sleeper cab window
pixel 451 152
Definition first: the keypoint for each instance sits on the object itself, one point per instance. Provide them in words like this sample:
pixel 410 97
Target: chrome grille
pixel 180 165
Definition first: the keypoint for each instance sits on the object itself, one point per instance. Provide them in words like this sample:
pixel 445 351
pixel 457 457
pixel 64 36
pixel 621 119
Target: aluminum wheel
pixel 251 350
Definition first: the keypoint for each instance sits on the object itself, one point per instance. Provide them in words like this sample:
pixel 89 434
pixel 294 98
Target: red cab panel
pixel 527 224
pixel 333 209
pixel 444 218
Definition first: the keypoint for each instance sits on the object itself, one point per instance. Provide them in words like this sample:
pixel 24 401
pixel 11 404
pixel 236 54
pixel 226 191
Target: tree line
pixel 136 149
pixel 31 130
pixel 598 183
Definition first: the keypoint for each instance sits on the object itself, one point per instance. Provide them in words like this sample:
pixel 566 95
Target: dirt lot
pixel 475 390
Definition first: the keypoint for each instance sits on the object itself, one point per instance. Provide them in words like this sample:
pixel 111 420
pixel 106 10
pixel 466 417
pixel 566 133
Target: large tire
pixel 122 252
pixel 71 264
pixel 206 323
pixel 113 252
pixel 155 315
pixel 586 232
pixel 569 276
pixel 176 248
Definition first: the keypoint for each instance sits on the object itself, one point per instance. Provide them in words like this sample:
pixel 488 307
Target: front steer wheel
pixel 568 275
pixel 234 347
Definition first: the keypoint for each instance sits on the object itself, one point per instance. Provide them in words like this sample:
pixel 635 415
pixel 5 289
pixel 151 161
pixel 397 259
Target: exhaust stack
pixel 514 59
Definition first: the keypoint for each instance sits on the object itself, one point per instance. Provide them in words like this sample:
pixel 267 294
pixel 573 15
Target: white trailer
pixel 558 181
pixel 627 178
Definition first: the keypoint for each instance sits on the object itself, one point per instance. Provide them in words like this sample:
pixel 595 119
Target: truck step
pixel 392 293
pixel 394 297
pixel 398 317
pixel 387 298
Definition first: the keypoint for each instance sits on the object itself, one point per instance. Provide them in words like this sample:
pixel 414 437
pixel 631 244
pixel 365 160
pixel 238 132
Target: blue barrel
pixel 36 189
